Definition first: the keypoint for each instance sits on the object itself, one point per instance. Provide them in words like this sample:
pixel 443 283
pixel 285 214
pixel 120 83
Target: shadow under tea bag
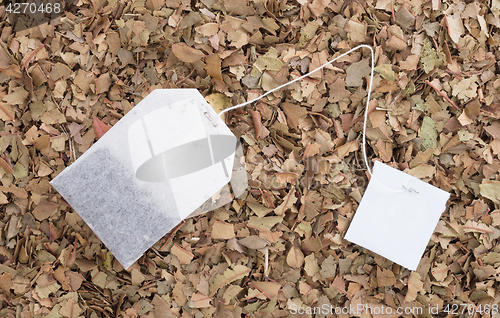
pixel 170 156
pixel 397 224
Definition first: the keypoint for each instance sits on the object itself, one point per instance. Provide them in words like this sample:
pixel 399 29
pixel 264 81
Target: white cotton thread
pixel 370 84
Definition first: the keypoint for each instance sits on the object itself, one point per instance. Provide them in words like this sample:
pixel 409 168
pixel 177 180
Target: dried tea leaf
pixel 17 96
pixel 186 53
pixel 230 294
pixel 45 209
pixel 37 109
pixel 218 101
pixel 184 256
pixel 268 61
pixel 200 301
pixel 473 108
pixel 455 27
pixel 270 289
pixel 4 58
pixel 260 130
pixel 83 80
pixel 60 70
pixel 422 171
pixel 338 284
pixel 440 271
pixel 59 143
pixel 475 227
pixel 492 258
pixel 18 192
pixel 432 105
pixel 421 157
pixel 52 117
pixel 70 309
pixel 259 209
pixel 347 148
pixel 307 33
pixel 102 83
pixel 429 58
pixel 356 72
pixel 6 282
pixel 99 278
pixel 338 91
pixel 125 56
pixel 428 133
pixel 100 128
pixel 238 7
pixel 137 277
pixel 190 19
pixel 114 43
pixel 411 62
pixel 45 291
pixel 415 286
pixel 491 190
pixel 288 201
pixel 75 279
pixel 229 275
pixel 162 309
pixel 466 89
pixel 5 166
pixel 238 38
pixel 213 66
pixel 293 113
pixel 208 29
pixel 311 265
pixel 253 242
pixel 385 277
pixel 404 18
pixel 264 223
pixel 222 230
pixel 85 265
pixel 295 257
pixel 317 7
pixel 385 70
pixel 356 30
pixel 6 112
pixel 328 268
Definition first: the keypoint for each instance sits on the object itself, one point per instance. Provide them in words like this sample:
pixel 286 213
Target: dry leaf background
pixel 434 113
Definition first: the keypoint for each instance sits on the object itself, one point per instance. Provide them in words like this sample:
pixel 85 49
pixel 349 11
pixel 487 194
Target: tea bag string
pixel 370 84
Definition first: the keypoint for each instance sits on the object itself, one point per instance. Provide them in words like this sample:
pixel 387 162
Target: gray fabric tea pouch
pixel 169 158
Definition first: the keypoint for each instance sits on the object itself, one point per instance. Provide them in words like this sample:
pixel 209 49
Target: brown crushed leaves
pixel 434 113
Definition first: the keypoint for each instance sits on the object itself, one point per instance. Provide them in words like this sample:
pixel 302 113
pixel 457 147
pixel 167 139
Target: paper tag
pixel 161 162
pixel 397 225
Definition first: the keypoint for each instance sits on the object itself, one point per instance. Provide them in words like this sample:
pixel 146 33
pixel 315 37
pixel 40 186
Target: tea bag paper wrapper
pixel 397 225
pixel 158 165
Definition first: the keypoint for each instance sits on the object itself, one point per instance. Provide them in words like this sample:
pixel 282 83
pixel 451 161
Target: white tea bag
pixel 397 224
pixel 161 162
